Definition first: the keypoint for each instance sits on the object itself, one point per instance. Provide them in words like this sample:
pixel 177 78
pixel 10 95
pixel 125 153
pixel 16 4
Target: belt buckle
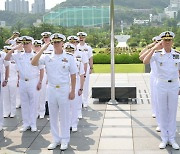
pixel 169 80
pixel 57 86
pixel 26 79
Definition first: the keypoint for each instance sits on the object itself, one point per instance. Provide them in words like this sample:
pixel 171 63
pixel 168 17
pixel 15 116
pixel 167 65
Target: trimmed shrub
pixel 101 59
pixel 135 58
pixel 122 59
pixel 119 59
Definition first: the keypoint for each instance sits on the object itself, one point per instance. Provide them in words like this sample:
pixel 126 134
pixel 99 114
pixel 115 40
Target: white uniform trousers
pixel 85 94
pixel 29 101
pixel 156 102
pixel 74 104
pixel 152 88
pixel 154 105
pixel 42 99
pixel 1 107
pixel 59 112
pixel 167 105
pixel 79 105
pixel 18 101
pixel 9 93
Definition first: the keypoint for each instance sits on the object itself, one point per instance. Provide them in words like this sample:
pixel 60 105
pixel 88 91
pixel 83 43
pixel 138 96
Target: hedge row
pixel 119 59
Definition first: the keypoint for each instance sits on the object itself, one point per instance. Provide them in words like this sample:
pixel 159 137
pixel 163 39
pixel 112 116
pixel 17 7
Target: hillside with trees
pixel 136 4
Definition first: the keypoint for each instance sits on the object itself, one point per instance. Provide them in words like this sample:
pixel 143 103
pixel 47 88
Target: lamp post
pixel 112 101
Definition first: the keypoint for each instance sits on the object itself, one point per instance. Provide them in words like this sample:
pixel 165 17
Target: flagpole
pixel 112 101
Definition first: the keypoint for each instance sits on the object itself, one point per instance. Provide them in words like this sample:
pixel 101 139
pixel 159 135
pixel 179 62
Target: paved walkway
pixel 105 129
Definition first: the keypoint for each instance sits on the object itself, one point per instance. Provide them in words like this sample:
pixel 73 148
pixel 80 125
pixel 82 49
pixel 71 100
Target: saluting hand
pixel 45 47
pixel 158 46
pixel 17 46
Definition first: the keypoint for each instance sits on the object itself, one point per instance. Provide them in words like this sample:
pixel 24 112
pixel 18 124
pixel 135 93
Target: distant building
pixel 2 23
pixel 85 16
pixel 178 24
pixel 37 23
pixel 142 10
pixel 158 17
pixel 172 10
pixel 140 22
pixel 38 6
pixel 17 6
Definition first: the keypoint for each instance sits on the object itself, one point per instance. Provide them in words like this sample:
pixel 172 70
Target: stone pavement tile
pixel 178 113
pixel 6 131
pixel 116 144
pixel 117 114
pixel 46 133
pixel 145 132
pixel 87 131
pixel 175 151
pixel 116 132
pixel 93 114
pixel 146 143
pixel 16 143
pixel 12 121
pixel 136 121
pixel 97 107
pixel 81 152
pixel 177 139
pixel 178 122
pixel 118 107
pixel 101 84
pixel 17 151
pixel 40 143
pixel 28 133
pixel 124 83
pixel 153 152
pixel 42 122
pixel 84 143
pixel 117 122
pixel 140 107
pixel 142 113
pixel 47 124
pixel 92 122
pixel 177 131
pixel 43 151
pixel 2 135
pixel 115 152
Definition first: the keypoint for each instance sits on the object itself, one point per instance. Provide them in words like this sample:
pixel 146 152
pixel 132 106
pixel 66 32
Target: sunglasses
pixel 25 43
pixel 37 46
pixel 167 39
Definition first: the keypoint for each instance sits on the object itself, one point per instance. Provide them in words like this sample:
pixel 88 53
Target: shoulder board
pixel 158 51
pixel 78 56
pixel 177 51
pixel 69 53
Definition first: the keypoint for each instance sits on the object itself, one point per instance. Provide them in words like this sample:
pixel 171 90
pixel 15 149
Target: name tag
pixel 65 60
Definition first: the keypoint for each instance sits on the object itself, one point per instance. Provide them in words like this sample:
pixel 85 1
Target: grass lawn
pixel 178 48
pixel 119 68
